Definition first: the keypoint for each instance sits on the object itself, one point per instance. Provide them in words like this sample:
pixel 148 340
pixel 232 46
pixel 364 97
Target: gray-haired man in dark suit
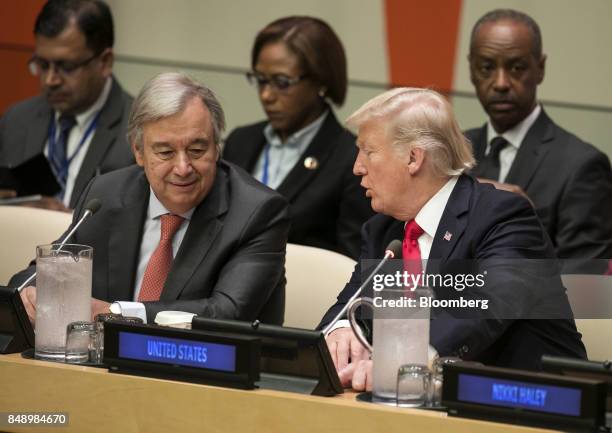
pixel 182 230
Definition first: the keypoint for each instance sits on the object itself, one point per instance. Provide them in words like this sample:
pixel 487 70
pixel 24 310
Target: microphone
pixel 91 208
pixel 393 250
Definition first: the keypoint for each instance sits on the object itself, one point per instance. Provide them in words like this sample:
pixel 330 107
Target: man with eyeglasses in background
pixel 79 121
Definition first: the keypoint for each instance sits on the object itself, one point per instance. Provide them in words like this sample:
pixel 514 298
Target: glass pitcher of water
pixel 400 335
pixel 63 295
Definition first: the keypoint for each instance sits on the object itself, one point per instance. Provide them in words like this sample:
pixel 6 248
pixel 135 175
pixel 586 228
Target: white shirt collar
pixel 157 209
pixel 83 119
pixel 298 136
pixel 514 135
pixel 430 215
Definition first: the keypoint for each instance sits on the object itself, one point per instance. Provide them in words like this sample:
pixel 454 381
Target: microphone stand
pixel 389 254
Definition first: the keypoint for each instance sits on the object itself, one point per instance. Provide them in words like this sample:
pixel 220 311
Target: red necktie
pixel 411 253
pixel 161 260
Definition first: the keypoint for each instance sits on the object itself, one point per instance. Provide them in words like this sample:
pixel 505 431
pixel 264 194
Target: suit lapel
pixel 394 232
pixel 452 224
pixel 203 228
pixel 479 145
pixel 102 140
pixel 532 152
pixel 320 149
pixel 125 236
pixel 37 134
pixel 248 155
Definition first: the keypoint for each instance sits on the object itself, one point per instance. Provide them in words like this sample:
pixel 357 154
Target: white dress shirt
pixel 150 239
pixel 282 156
pixel 515 137
pixel 83 121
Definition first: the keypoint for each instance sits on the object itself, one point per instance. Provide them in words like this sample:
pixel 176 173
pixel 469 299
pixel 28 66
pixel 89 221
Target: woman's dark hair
pixel 317 46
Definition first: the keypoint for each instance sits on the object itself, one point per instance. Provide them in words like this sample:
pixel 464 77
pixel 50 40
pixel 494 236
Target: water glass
pixel 400 336
pixel 63 295
pixel 413 384
pixel 98 355
pixel 437 371
pixel 81 340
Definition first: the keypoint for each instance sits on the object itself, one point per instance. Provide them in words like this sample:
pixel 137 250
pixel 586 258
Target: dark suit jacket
pixel 328 206
pixel 489 228
pixel 570 184
pixel 230 263
pixel 24 129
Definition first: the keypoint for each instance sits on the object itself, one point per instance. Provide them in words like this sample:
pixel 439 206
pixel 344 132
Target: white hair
pixel 166 95
pixel 420 118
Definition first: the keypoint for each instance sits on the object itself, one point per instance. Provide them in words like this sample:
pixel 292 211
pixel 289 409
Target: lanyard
pixel 266 164
pixel 53 143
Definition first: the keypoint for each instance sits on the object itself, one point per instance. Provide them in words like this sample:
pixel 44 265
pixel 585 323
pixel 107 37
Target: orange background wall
pixel 422 42
pixel 16 46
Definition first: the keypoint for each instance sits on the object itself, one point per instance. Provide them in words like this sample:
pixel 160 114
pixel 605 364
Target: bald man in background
pixel 521 149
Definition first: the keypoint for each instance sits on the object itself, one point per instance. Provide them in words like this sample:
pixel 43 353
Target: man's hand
pixel 99 307
pixel 346 351
pixel 28 297
pixel 360 375
pixel 506 187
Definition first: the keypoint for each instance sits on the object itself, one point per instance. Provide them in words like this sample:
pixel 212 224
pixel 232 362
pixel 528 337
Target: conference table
pixel 99 401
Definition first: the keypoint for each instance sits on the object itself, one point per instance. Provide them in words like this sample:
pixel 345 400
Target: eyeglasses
pixel 39 66
pixel 278 82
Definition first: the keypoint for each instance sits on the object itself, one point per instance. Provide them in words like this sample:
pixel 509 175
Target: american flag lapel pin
pixel 447 236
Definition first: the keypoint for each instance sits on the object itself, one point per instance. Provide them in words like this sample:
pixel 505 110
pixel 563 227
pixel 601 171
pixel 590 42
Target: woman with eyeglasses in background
pixel 299 69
